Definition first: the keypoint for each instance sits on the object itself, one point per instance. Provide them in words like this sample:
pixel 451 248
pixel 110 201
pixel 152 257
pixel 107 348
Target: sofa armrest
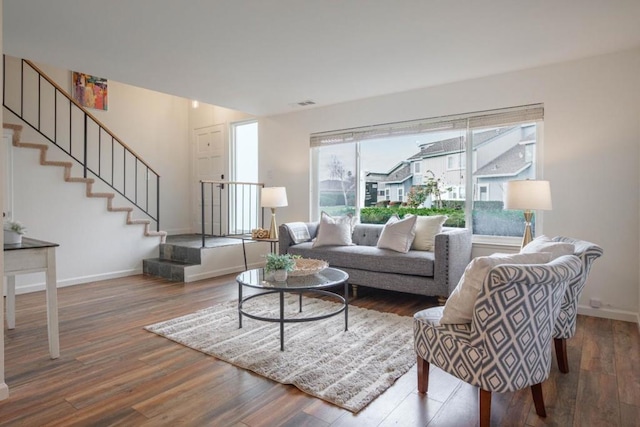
pixel 284 238
pixel 452 255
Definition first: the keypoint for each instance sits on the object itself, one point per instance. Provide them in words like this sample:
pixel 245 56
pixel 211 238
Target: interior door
pixel 209 160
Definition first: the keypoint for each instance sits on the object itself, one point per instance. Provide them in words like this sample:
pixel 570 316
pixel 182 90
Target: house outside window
pixel 470 161
pixel 482 192
pixel 456 161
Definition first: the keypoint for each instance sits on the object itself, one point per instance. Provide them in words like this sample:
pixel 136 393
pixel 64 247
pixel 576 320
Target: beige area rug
pixel 348 369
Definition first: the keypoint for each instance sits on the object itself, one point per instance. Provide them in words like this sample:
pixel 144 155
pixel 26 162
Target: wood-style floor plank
pixel 113 372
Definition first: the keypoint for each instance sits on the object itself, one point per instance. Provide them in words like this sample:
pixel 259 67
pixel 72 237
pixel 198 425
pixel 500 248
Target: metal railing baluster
pixel 28 66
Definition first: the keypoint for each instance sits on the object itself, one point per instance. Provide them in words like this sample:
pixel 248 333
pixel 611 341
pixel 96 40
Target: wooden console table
pixel 33 256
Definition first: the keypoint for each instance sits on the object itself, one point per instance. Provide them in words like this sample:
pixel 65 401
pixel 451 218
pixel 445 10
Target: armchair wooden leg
pixel 538 401
pixel 485 408
pixel 423 375
pixel 561 354
pixel 354 289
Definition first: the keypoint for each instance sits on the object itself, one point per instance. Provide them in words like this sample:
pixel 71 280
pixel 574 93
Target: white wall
pixel 94 243
pixel 4 390
pixel 590 154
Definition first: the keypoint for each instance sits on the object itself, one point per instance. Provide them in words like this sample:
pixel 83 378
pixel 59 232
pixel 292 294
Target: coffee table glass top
pixel 257 278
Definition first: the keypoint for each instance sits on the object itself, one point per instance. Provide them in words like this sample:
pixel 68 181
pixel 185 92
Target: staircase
pixel 40 103
pixel 17 142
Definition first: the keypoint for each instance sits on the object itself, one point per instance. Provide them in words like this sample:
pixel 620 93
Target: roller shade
pixel 501 117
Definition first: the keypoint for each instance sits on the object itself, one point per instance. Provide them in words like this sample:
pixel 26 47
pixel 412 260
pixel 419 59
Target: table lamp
pixel 527 195
pixel 273 197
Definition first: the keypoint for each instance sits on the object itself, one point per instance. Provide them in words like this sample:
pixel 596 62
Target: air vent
pixel 305 103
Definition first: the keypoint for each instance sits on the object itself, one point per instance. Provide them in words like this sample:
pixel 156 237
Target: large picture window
pixel 457 164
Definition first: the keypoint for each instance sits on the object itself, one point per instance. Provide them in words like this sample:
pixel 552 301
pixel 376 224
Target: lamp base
pixel 528 236
pixel 273 230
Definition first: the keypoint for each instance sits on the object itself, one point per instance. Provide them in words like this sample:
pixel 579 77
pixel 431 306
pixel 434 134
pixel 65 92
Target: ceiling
pixel 264 56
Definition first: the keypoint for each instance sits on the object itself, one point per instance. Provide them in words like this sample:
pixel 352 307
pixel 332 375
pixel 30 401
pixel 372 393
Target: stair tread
pixel 80 179
pixel 106 195
pixel 139 221
pixel 169 262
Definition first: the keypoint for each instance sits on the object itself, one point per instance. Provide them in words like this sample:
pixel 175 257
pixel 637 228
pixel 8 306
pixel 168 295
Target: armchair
pixel 565 326
pixel 507 345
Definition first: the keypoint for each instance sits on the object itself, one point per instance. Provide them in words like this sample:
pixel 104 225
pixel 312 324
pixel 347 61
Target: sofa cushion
pixel 459 305
pixel 546 244
pixel 334 231
pixel 398 234
pixel 426 229
pixel 366 234
pixel 370 258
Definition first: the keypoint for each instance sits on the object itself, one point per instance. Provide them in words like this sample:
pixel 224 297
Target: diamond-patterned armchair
pixel 507 345
pixel 565 326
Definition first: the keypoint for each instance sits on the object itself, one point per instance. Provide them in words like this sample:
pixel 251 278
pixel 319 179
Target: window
pixel 467 158
pixel 456 161
pixel 244 168
pixel 455 192
pixel 482 192
pixel 336 181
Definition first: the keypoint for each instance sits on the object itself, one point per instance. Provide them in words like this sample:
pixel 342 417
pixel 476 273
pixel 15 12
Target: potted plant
pixel 280 265
pixel 13 231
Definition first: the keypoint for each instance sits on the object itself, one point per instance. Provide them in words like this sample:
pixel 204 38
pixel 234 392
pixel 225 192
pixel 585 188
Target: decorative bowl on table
pixel 308 266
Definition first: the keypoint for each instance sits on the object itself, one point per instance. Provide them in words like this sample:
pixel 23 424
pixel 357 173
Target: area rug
pixel 348 369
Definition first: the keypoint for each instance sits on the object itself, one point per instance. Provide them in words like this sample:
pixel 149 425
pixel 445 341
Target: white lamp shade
pixel 273 197
pixel 527 195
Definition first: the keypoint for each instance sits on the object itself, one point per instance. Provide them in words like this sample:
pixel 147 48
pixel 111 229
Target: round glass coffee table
pixel 318 283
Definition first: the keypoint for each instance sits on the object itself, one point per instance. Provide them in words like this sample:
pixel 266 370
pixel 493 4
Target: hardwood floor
pixel 112 372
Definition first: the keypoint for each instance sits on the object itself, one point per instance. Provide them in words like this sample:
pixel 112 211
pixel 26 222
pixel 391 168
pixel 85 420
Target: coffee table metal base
pixel 282 320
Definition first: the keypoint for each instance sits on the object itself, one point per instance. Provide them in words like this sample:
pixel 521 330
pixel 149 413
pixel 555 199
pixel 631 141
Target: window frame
pixel 485 119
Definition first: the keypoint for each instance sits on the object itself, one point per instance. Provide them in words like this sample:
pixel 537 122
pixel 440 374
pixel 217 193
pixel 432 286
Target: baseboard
pixel 37 287
pixel 610 313
pixel 211 273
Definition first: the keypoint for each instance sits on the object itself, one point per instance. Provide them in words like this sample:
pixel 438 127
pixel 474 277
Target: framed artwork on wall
pixel 90 91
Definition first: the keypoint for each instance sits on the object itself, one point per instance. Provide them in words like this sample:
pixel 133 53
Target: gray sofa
pixel 418 272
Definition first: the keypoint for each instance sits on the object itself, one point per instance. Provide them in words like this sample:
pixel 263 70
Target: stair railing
pixel 230 208
pixel 47 108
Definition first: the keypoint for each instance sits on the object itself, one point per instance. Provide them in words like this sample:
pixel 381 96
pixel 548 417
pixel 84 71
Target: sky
pixel 379 155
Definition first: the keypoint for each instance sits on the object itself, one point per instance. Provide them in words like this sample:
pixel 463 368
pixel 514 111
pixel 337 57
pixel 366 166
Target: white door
pixel 209 161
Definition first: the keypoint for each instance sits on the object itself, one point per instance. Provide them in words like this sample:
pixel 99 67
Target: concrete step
pixel 181 253
pixel 168 269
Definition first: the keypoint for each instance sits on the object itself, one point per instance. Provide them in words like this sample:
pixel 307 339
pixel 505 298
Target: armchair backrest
pixel 588 252
pixel 513 321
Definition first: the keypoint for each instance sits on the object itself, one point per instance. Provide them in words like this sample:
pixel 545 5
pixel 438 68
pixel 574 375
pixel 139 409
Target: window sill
pixel 497 242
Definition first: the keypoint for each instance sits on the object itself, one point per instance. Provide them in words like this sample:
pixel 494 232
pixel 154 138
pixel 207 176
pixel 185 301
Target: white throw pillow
pixel 426 229
pixel 459 306
pixel 334 231
pixel 545 244
pixel 398 234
